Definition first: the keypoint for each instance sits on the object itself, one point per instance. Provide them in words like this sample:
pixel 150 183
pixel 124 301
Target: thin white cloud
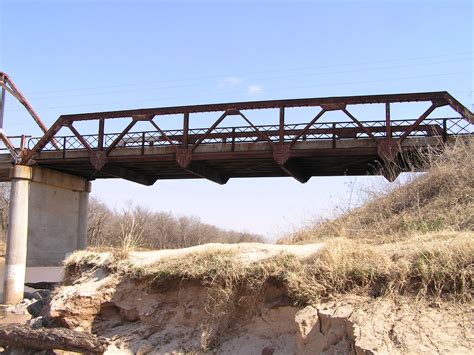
pixel 255 89
pixel 230 81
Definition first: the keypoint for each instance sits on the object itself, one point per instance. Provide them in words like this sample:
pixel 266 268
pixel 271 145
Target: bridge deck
pixel 349 157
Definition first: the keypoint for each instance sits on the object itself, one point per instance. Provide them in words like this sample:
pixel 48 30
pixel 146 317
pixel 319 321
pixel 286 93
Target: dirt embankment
pixel 150 303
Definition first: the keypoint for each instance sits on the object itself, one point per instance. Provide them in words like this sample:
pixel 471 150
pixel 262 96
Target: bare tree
pixel 99 216
pixel 138 226
pixel 4 206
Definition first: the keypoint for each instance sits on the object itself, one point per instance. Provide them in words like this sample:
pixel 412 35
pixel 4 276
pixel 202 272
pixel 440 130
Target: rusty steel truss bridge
pixel 50 175
pixel 314 147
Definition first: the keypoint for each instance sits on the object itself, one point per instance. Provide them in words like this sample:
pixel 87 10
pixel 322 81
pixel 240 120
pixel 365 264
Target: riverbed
pixel 33 274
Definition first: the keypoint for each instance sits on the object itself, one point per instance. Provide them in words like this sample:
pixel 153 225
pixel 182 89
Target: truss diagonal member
pixel 163 134
pixel 259 133
pixel 120 136
pixel 48 137
pixel 8 84
pixel 361 126
pixel 11 148
pixel 79 136
pixel 208 132
pixel 308 126
pixel 420 119
pixel 459 108
pixel 2 105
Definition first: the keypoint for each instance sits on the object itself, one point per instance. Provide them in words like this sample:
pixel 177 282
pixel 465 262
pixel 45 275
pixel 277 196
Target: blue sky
pixel 71 56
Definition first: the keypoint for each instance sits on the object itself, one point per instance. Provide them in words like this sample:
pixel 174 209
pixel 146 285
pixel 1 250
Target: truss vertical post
pixel 281 130
pixel 233 139
pixel 22 142
pixel 64 146
pixel 143 143
pixel 2 106
pixel 185 129
pixel 388 126
pixel 100 144
pixel 445 130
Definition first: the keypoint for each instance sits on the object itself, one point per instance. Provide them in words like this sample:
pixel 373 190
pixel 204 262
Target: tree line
pixel 139 227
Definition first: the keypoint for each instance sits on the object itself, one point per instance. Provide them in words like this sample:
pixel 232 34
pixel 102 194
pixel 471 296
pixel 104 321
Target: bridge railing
pixel 17 143
pixel 299 132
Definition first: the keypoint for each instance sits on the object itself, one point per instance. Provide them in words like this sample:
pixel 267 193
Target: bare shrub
pixel 131 232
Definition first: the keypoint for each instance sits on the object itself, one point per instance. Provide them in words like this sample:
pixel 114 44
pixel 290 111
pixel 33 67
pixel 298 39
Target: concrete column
pixel 82 222
pixel 15 266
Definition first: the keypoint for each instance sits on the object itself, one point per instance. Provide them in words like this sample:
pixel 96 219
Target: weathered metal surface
pixel 333 102
pixel 217 153
pixel 7 85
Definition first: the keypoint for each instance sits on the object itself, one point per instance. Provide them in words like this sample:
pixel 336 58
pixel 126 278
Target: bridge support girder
pixel 282 156
pixel 184 160
pixel 295 171
pixel 127 174
pixel 99 161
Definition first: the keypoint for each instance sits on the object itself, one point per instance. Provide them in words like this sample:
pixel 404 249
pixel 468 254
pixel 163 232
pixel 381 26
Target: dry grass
pixel 432 265
pixel 441 199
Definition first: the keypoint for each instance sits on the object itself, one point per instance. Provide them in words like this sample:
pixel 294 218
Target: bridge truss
pixel 216 152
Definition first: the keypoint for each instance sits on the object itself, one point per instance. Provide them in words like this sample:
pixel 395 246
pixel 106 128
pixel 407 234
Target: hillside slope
pixel 442 199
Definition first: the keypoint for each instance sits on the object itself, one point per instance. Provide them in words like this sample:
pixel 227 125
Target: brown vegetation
pixel 440 200
pixel 440 267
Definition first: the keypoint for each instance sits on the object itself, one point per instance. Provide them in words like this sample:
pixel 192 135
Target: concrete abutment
pixel 47 220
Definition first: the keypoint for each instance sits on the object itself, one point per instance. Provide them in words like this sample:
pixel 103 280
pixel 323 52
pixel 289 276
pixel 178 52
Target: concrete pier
pixel 47 220
pixel 15 265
